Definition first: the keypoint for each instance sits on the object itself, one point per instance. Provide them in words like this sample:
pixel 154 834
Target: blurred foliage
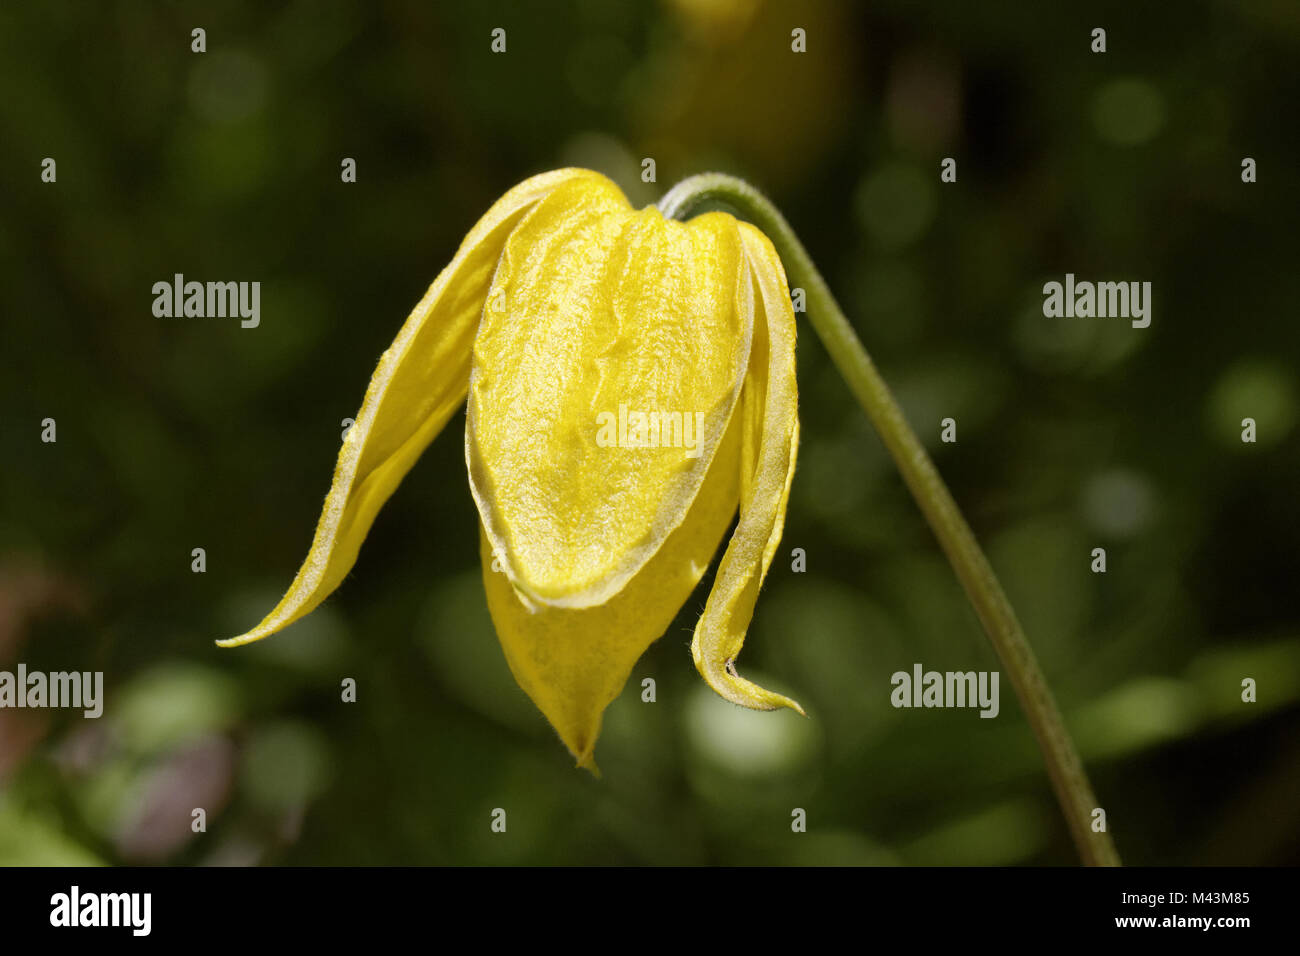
pixel 1073 434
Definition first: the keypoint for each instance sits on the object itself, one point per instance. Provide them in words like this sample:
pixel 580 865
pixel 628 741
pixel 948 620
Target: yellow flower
pixel 630 384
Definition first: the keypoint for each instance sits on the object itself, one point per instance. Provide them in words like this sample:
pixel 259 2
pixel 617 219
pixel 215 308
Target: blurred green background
pixel 1073 433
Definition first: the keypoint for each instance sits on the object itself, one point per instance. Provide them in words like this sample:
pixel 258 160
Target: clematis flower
pixel 631 386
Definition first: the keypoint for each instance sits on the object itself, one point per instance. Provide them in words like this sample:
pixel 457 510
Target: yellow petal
pixel 611 327
pixel 770 416
pixel 573 662
pixel 420 382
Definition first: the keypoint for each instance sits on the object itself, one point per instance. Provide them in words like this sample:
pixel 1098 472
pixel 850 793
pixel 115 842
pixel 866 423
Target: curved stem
pixel 982 588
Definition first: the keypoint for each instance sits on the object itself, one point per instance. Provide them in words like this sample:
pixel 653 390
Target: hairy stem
pixel 982 588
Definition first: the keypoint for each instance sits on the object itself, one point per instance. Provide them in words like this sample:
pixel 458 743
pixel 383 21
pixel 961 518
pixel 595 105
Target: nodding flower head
pixel 630 383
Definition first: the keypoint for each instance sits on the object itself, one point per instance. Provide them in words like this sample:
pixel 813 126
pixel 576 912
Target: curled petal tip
pixel 246 638
pixel 722 677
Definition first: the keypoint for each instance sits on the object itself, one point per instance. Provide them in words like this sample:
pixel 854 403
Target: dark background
pixel 1073 433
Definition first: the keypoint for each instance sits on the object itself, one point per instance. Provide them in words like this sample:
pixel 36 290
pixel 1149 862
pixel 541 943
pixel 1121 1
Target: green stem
pixel 982 588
